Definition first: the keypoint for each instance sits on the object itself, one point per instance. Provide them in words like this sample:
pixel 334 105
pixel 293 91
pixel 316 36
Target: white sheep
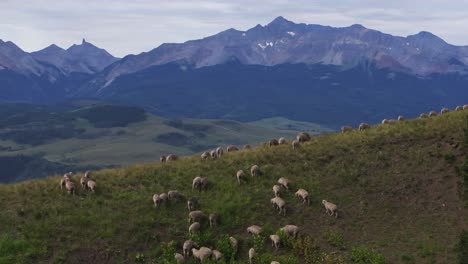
pixel 84 180
pixel 432 113
pixel 423 115
pixel 290 230
pixel 156 199
pixel 280 204
pixel 194 228
pixel 330 208
pixel 444 110
pixel 251 255
pixel 295 144
pixel 363 126
pixel 459 108
pixel 205 155
pixel 172 157
pixel 240 175
pixel 273 142
pixel 234 243
pixel 276 190
pixel 401 118
pixel 217 255
pixel 179 258
pixel 192 203
pixel 284 182
pixel 304 195
pixel 163 198
pixel 275 241
pixel 389 121
pixel 202 253
pixel 255 171
pixel 275 262
pixel 303 137
pixel 196 183
pixel 232 148
pixel 213 219
pixel 204 183
pixel 195 216
pixel 282 141
pixel 187 247
pixel 174 196
pixel 70 186
pixel 254 230
pixel 66 177
pixel 214 154
pixel 162 158
pixel 465 107
pixel 345 129
pixel 91 185
pixel 219 151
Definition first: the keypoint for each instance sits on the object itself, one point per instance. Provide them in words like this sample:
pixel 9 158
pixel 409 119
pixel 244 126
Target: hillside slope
pixel 398 188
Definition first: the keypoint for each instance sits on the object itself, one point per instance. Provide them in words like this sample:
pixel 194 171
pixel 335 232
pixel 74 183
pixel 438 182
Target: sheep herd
pixel 86 183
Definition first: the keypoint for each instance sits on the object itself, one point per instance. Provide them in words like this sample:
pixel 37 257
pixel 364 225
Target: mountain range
pixel 321 67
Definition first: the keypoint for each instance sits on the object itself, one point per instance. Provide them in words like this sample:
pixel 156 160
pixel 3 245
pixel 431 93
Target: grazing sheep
pixel 275 262
pixel 172 157
pixel 345 129
pixel 275 241
pixel 91 185
pixel 213 154
pixel 234 243
pixel 276 190
pixel 363 126
pixel 66 177
pixel 459 108
pixel 205 155
pixel 389 121
pixel 232 148
pixel 196 183
pixel 193 228
pixel 432 113
pixel 156 200
pixel 192 203
pixel 174 196
pixel 70 186
pixel 217 255
pixel 213 219
pixel 203 183
pixel 282 141
pixel 195 215
pixel 162 158
pixel 423 115
pixel 202 253
pixel 188 245
pixel 465 107
pixel 162 198
pixel 247 146
pixel 219 151
pixel 303 137
pixel 280 204
pixel 273 142
pixel 255 171
pixel 330 208
pixel 179 258
pixel 444 110
pixel 304 195
pixel 295 144
pixel 284 182
pixel 240 176
pixel 254 230
pixel 290 230
pixel 401 118
pixel 251 255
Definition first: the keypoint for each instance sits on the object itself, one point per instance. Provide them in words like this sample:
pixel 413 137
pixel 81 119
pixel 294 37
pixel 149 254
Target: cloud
pixel 124 27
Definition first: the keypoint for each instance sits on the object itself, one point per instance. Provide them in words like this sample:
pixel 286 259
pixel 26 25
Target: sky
pixel 133 26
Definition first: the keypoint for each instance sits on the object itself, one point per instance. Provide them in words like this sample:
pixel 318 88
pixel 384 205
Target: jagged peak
pixel 280 21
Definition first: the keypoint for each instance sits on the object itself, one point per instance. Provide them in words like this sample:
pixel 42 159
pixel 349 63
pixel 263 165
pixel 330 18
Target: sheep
pixel 255 170
pixel 465 107
pixel 213 219
pixel 205 155
pixel 195 215
pixel 91 185
pixel 162 158
pixel 84 180
pixel 234 243
pixel 295 144
pixel 363 126
pixel 217 255
pixel 273 142
pixel 204 183
pixel 284 182
pixel 202 253
pixel 304 195
pixel 66 177
pixel 423 115
pixel 232 148
pixel 303 137
pixel 187 246
pixel 459 108
pixel 280 204
pixel 275 262
pixel 345 129
pixel 254 230
pixel 196 183
pixel 179 258
pixel 401 118
pixel 282 141
pixel 389 121
pixel 172 157
pixel 70 186
pixel 251 255
pixel 275 241
pixel 240 176
pixel 290 230
pixel 156 200
pixel 193 228
pixel 219 151
pixel 192 203
pixel 247 146
pixel 214 154
pixel 432 113
pixel 276 190
pixel 330 208
pixel 444 110
pixel 174 196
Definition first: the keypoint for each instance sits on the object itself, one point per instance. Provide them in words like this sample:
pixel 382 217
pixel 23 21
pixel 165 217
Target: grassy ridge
pixel 397 188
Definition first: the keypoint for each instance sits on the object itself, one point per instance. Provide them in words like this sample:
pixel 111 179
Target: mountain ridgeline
pixel 307 72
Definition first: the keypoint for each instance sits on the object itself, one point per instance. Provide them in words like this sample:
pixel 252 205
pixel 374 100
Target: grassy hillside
pixel 401 189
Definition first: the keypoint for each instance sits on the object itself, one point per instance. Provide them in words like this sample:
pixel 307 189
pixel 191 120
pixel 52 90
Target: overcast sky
pixel 133 26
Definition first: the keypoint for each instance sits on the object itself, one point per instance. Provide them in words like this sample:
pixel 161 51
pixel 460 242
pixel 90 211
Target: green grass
pixel 400 199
